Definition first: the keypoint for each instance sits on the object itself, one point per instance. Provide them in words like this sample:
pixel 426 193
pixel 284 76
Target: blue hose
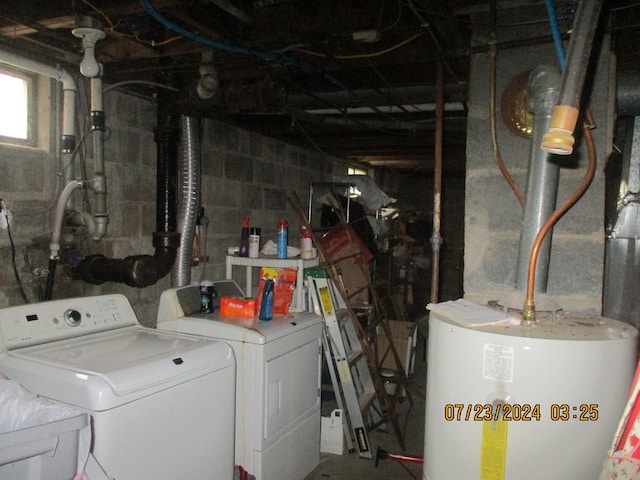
pixel 555 30
pixel 266 56
pixel 198 38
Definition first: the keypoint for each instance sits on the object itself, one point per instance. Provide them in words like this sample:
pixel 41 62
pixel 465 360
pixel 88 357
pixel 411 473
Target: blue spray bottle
pixel 266 304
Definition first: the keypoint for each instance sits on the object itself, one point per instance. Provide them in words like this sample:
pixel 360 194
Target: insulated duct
pixel 542 178
pixel 188 191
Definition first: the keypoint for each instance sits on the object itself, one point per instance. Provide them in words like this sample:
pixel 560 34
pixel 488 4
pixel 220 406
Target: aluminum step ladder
pixel 377 411
pixel 347 362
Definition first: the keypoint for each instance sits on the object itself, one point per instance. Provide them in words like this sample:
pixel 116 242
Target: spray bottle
pixel 244 238
pixel 266 303
pixel 283 227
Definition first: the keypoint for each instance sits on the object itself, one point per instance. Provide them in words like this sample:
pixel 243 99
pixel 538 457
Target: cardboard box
pixel 404 338
pixel 356 277
pixel 343 244
pixel 238 307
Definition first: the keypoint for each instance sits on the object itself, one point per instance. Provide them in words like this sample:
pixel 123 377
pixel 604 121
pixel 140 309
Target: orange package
pixel 284 283
pixel 238 307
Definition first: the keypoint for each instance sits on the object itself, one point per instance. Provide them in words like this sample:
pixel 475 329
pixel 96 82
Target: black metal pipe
pixel 144 270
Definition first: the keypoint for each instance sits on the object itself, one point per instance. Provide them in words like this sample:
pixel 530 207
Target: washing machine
pixel 277 383
pixel 161 404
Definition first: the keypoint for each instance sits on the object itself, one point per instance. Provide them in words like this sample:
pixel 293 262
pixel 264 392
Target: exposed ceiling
pixel 353 78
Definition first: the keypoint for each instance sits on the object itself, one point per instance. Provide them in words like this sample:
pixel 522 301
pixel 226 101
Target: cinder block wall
pixel 242 174
pixel 492 212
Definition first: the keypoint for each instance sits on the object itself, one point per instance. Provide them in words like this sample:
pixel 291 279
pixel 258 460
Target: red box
pixel 343 243
pixel 238 307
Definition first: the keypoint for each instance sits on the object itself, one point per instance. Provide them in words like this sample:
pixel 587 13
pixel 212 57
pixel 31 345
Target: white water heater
pixel 513 402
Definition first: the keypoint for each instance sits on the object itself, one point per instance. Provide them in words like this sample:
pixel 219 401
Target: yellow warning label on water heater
pixel 493 454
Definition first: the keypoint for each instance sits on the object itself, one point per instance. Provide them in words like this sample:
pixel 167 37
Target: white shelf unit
pixel 298 303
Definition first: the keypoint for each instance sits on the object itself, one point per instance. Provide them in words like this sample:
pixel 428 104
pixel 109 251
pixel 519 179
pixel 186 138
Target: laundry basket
pixel 38 438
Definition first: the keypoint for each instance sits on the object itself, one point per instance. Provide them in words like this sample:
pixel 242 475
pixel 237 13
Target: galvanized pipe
pixel 542 178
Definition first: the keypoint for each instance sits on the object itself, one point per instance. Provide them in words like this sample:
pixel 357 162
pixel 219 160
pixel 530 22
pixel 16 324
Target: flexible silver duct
pixel 188 196
pixel 542 178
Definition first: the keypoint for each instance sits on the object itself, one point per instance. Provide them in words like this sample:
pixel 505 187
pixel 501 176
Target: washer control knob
pixel 72 317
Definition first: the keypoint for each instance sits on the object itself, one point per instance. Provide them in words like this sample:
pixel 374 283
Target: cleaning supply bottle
pixel 266 303
pixel 254 242
pixel 283 228
pixel 244 238
pixel 306 243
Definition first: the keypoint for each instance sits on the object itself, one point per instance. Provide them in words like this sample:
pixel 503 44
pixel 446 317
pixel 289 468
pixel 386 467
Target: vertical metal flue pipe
pixel 542 178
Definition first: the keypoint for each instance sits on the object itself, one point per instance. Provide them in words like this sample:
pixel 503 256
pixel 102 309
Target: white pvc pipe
pixel 63 198
pixel 68 84
pixel 68 101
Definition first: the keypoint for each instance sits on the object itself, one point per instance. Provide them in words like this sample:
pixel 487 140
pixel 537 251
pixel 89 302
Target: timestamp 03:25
pixel 515 412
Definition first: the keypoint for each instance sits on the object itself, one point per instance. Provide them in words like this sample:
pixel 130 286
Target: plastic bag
pixel 20 408
pixel 284 284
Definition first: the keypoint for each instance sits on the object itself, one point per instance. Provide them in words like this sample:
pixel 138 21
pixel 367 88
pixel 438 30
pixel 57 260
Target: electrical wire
pixel 424 23
pixel 101 13
pixel 13 255
pixel 139 82
pixel 315 145
pixel 362 55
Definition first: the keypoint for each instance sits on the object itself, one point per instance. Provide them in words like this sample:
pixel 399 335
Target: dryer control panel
pixel 35 323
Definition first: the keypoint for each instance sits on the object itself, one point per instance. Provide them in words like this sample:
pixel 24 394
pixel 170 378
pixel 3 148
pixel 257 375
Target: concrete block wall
pixel 242 174
pixel 492 213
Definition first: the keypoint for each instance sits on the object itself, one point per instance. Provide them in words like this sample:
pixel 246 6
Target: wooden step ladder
pixel 353 353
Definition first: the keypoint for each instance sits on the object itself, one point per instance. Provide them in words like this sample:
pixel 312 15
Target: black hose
pixel 48 291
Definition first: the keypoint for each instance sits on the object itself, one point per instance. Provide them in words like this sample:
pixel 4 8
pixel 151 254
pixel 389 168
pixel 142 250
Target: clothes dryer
pixel 277 383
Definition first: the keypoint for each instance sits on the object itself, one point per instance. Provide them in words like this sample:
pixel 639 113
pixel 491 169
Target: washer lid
pixel 133 361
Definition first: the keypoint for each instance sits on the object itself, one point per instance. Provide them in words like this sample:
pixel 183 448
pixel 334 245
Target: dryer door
pixel 292 388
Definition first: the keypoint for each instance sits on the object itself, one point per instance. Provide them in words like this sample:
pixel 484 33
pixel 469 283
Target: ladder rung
pixel 366 398
pixel 354 356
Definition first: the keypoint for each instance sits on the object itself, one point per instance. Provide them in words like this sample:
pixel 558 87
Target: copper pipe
pixel 436 239
pixel 493 50
pixel 529 311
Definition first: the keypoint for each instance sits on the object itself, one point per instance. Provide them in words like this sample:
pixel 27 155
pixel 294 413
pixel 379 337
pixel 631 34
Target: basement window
pixel 353 190
pixel 17 112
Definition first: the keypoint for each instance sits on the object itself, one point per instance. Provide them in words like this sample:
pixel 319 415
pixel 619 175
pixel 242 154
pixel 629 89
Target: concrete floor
pixel 349 466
